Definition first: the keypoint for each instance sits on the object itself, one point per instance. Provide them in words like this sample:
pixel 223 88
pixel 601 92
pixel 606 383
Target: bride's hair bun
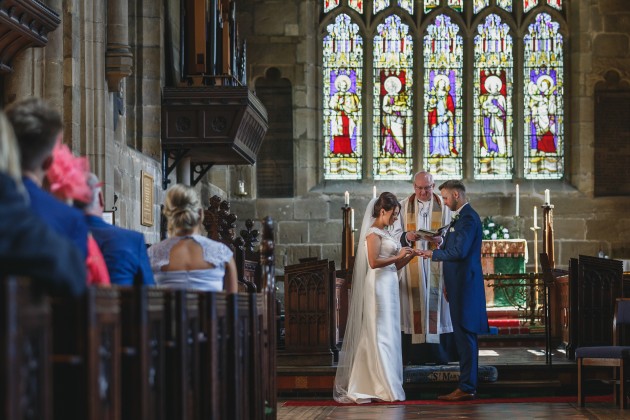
pixel 182 208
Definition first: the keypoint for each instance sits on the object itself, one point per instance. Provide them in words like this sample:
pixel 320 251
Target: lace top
pixel 390 246
pixel 210 279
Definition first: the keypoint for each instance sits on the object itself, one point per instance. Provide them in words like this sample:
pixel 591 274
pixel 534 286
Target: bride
pixel 370 361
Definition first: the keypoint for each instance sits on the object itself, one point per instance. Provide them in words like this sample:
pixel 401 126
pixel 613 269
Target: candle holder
pixel 518 224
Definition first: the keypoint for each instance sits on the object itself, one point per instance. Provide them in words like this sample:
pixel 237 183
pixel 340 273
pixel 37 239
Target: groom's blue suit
pixel 463 278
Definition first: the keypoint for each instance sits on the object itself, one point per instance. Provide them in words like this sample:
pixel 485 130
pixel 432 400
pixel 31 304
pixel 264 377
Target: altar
pixel 504 256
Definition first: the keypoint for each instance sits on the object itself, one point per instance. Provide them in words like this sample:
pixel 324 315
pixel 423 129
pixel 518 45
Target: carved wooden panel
pixel 309 310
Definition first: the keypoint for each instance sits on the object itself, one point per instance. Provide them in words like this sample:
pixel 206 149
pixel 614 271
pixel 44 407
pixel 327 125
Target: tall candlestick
pixel 547 198
pixel 535 217
pixel 347 198
pixel 352 220
pixel 374 191
pixel 517 200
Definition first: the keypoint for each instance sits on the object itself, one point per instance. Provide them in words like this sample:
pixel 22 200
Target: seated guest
pixel 28 246
pixel 67 180
pixel 187 259
pixel 38 128
pixel 124 250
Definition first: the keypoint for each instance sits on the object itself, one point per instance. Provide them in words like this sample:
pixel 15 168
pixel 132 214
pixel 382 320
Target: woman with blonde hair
pixel 187 259
pixel 10 154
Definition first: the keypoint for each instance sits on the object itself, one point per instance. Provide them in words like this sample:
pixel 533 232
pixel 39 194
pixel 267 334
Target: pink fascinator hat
pixel 67 175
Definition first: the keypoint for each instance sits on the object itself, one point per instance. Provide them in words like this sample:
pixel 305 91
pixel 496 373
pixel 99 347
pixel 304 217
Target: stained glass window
pixel 462 124
pixel 430 5
pixel 356 5
pixel 443 61
pixel 380 5
pixel 330 4
pixel 529 5
pixel 492 100
pixel 556 4
pixel 406 5
pixel 457 5
pixel 479 5
pixel 543 99
pixel 393 100
pixel 342 82
pixel 505 4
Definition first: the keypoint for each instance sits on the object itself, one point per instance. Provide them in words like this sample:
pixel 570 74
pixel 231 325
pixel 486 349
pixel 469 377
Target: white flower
pixel 506 236
pixel 491 225
pixel 494 236
pixel 486 232
pixel 504 230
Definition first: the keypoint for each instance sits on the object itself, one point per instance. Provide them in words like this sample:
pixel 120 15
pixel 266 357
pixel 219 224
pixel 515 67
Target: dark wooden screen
pixel 309 308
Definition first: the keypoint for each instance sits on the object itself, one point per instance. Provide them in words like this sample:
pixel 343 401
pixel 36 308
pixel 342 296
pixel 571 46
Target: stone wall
pixel 283 34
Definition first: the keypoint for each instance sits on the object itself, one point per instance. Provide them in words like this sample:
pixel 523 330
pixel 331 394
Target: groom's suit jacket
pixel 463 278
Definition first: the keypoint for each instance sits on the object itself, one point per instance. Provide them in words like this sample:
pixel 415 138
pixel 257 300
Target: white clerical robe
pixel 423 296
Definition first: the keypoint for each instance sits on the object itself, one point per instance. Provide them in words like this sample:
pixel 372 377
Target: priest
pixel 425 317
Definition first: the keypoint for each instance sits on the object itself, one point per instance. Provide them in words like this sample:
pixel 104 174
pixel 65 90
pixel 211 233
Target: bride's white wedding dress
pixel 370 364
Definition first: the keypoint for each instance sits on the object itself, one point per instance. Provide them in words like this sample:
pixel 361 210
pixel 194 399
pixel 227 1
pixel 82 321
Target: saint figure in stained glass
pixel 492 100
pixel 395 107
pixel 345 103
pixel 542 107
pixel 543 99
pixel 441 109
pixel 494 112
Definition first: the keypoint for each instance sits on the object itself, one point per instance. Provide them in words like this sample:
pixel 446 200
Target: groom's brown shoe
pixel 457 395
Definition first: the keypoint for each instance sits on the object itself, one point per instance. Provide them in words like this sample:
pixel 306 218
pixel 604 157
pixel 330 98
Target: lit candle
pixel 547 199
pixel 517 200
pixel 347 198
pixel 241 186
pixel 352 220
pixel 374 191
pixel 535 217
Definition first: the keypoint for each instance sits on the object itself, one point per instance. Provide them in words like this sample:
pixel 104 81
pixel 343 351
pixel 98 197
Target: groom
pixel 461 256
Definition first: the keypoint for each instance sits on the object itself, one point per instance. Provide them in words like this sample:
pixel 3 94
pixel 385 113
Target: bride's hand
pixel 405 252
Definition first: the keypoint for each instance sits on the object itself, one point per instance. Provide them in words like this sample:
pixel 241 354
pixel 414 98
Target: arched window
pixel 482 97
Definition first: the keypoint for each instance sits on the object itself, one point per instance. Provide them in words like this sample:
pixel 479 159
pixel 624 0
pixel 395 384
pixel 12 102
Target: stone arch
pixel 612 137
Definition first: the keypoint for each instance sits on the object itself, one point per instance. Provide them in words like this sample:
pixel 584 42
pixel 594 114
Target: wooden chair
pixel 616 356
pixel 25 349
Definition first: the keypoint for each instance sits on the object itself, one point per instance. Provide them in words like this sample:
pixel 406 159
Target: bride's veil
pixel 355 313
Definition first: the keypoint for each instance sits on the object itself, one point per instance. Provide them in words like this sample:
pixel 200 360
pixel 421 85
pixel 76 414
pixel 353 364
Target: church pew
pixel 143 339
pixel 86 356
pixel 183 331
pixel 25 340
pixel 119 353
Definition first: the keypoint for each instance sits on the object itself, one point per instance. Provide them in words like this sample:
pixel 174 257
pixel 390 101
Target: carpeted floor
pixel 559 399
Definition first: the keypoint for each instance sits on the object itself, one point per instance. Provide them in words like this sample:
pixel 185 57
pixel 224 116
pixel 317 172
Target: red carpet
pixel 520 400
pixel 502 322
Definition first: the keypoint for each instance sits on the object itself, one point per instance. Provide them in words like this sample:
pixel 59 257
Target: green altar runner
pixel 504 256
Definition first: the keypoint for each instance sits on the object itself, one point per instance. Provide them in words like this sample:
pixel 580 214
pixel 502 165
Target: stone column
pixel 118 56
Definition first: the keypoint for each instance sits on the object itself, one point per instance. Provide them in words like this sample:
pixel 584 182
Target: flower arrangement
pixel 493 230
